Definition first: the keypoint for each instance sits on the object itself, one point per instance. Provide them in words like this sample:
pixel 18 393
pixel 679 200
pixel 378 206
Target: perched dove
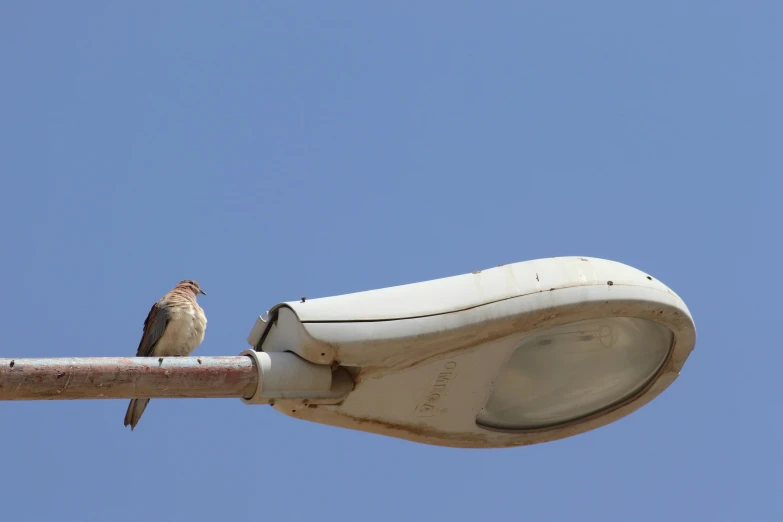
pixel 174 327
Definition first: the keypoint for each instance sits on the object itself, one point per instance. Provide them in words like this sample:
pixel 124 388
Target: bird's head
pixel 191 285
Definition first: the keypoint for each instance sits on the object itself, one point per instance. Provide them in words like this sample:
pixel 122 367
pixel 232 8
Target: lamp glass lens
pixel 565 373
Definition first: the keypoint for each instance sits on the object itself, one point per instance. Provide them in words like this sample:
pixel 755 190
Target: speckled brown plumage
pixel 175 326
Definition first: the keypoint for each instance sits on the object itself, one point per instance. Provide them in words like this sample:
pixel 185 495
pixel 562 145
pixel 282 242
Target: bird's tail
pixel 135 409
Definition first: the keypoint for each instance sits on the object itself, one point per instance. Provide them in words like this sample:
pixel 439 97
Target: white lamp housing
pixel 514 355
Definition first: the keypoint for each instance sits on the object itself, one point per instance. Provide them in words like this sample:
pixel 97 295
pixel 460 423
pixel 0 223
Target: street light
pixel 514 355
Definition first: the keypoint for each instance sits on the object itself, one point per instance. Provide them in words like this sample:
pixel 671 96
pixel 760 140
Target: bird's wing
pixel 154 326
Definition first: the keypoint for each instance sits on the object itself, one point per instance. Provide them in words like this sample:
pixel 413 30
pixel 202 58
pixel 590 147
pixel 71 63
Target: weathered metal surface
pixel 127 378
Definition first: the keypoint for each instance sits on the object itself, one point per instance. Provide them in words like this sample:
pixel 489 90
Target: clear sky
pixel 271 150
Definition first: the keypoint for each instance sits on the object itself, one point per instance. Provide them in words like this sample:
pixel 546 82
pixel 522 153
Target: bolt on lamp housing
pixel 514 355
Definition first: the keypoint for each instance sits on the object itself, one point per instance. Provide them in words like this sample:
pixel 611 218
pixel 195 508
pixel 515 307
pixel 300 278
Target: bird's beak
pixel 201 291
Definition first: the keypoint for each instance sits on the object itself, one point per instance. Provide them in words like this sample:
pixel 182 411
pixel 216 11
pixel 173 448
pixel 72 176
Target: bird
pixel 174 327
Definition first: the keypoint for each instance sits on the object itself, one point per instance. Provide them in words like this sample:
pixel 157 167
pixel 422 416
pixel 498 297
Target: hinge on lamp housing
pixel 259 330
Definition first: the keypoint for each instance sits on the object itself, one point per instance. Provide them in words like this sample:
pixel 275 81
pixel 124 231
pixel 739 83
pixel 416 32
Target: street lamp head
pixel 514 355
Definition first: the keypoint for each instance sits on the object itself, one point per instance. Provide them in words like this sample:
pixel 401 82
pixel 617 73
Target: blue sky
pixel 273 150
